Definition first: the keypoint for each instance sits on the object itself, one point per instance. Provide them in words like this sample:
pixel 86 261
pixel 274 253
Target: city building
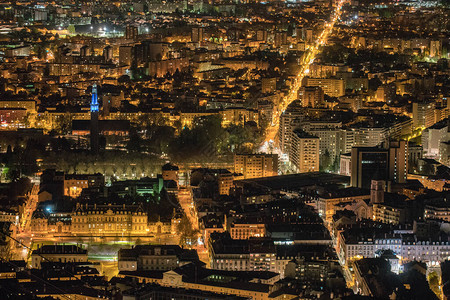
pixel 326 202
pixel 244 231
pixel 311 96
pixel 75 183
pixel 423 113
pixel 94 132
pixel 255 285
pixel 437 207
pixel 154 257
pixel 331 86
pixel 434 140
pixel 109 220
pixel 241 255
pixel 131 32
pixel 170 172
pixel 268 85
pixel 58 253
pixel 256 165
pixel 304 151
pixel 390 164
pixel 197 34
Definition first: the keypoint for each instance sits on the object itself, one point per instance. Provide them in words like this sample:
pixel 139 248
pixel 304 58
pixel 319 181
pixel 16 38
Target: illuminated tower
pixel 94 120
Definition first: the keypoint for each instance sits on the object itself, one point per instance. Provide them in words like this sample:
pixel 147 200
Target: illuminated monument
pixel 94 120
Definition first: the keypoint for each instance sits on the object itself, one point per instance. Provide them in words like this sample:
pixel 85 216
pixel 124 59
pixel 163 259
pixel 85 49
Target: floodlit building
pixel 256 165
pixel 304 151
pixel 109 220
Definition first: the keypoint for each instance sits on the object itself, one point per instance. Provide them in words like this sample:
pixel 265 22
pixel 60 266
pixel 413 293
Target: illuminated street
pixel 225 149
pixel 307 59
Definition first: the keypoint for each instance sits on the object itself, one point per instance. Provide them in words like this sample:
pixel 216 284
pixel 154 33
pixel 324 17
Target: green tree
pixel 188 235
pixel 135 142
pixel 433 281
pixel 326 161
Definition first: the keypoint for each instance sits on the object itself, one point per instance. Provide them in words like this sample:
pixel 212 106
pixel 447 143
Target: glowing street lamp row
pixel 304 70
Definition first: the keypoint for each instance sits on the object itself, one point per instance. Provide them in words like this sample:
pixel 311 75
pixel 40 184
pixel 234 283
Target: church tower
pixel 94 120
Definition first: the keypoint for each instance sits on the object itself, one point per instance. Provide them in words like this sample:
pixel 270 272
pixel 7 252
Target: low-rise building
pixel 109 220
pixel 58 253
pixel 155 257
pixel 308 263
pixel 244 231
pixel 438 207
pixel 326 203
pixel 75 183
pixel 255 285
pixel 241 255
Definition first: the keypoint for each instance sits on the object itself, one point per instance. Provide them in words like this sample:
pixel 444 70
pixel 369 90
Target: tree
pixel 5 252
pixel 433 280
pixel 326 161
pixel 188 235
pixel 135 142
pixel 63 124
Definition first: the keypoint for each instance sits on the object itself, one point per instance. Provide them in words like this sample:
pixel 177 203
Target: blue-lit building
pixel 94 121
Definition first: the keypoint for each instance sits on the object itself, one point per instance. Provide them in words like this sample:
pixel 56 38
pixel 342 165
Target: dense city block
pixel 225 149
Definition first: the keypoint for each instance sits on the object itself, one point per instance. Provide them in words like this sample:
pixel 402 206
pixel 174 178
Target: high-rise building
pixel 289 120
pixel 94 134
pixel 108 53
pixel 261 35
pixel 435 48
pixel 311 96
pixel 256 165
pixel 423 114
pixel 331 86
pixel 85 51
pixel 197 34
pixel 125 55
pixel 304 151
pixel 280 38
pixel 368 163
pixel 131 32
pixel 398 161
pixel 268 85
pixel 386 93
pixel 369 136
pixel 307 35
pixel 389 164
pixel 434 139
pixel 329 141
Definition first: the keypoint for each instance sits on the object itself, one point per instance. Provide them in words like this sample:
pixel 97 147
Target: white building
pixel 432 137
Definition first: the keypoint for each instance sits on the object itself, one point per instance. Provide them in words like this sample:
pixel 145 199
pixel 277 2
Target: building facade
pixel 256 165
pixel 304 151
pixel 109 220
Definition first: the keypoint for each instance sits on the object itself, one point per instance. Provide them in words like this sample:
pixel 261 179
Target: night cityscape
pixel 225 149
